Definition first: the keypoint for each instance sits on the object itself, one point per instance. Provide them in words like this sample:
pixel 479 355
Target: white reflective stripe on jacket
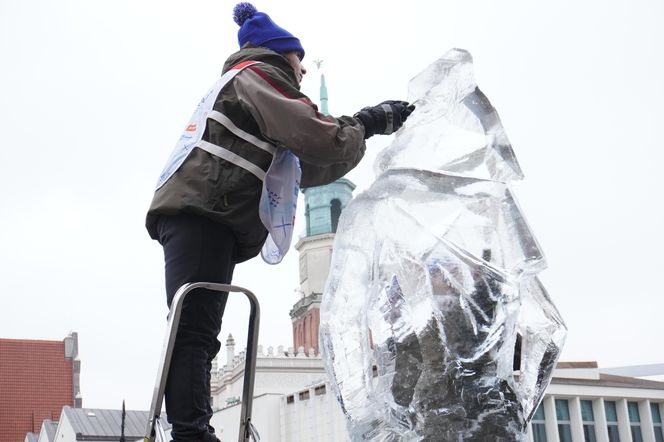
pixel 193 132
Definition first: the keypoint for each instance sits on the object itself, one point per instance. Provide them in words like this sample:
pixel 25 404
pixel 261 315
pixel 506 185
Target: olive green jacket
pixel 263 100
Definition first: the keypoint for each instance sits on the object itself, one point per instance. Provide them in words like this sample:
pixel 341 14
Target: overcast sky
pixel 94 94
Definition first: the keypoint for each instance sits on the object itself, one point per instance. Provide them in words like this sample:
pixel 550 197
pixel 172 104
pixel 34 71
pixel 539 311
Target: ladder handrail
pixel 167 353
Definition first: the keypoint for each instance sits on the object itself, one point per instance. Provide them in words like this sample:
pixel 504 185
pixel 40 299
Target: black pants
pixel 195 250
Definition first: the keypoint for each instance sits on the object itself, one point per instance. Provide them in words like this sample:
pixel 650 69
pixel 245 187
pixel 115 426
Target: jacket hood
pixel 264 55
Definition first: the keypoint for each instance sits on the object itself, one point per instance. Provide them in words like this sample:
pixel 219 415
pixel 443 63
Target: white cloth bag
pixel 278 204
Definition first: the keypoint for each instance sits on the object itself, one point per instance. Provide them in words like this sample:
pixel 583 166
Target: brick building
pixel 37 378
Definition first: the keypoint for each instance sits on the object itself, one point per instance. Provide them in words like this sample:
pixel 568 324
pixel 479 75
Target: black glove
pixel 385 118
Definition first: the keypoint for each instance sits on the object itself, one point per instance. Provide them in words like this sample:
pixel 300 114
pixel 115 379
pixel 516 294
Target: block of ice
pixel 433 303
pixel 455 128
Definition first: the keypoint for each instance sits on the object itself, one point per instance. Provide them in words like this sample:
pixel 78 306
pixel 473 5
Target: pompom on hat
pixel 258 29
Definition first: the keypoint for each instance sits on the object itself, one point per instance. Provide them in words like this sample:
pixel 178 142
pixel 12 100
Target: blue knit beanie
pixel 258 29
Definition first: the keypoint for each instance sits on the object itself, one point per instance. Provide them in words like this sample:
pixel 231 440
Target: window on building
pixel 320 390
pixel 306 219
pixel 564 423
pixel 303 395
pixel 634 421
pixel 612 421
pixel 538 425
pixel 335 213
pixel 588 418
pixel 657 422
pixel 290 399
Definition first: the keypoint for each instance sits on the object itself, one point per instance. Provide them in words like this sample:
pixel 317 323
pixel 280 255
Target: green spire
pixel 323 90
pixel 323 96
pixel 325 203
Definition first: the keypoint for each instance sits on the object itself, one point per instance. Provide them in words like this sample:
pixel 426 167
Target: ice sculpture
pixel 433 323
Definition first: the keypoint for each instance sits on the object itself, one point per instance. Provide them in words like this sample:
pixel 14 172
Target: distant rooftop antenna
pixel 122 424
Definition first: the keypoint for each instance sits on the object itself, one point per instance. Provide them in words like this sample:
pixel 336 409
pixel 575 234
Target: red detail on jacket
pixel 243 64
pixel 302 100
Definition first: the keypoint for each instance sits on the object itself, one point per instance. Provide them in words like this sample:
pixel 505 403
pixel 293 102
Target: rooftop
pixel 100 424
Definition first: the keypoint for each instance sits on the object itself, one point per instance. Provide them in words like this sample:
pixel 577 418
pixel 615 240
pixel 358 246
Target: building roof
pixel 31 437
pixel 36 381
pixel 576 364
pixel 99 424
pixel 636 370
pixel 609 380
pixel 50 427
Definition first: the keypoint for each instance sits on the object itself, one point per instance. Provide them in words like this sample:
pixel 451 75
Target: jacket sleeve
pixel 313 175
pixel 328 147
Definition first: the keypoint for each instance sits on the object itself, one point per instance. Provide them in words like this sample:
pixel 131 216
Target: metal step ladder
pixel 155 432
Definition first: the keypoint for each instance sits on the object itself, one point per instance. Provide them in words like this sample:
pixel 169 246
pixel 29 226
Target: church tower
pixel 323 206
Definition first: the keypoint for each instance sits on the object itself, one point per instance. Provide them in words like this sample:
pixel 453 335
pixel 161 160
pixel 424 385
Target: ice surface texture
pixel 433 300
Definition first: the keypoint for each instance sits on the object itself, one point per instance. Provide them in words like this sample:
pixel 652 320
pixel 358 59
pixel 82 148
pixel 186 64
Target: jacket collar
pixel 263 55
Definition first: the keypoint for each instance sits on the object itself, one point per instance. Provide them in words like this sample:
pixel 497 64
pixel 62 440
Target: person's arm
pixel 289 119
pixel 313 175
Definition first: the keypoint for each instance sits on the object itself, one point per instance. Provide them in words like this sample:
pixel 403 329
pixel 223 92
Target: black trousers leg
pixel 195 250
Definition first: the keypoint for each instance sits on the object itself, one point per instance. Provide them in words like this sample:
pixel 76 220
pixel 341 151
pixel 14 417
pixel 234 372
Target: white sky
pixel 94 94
